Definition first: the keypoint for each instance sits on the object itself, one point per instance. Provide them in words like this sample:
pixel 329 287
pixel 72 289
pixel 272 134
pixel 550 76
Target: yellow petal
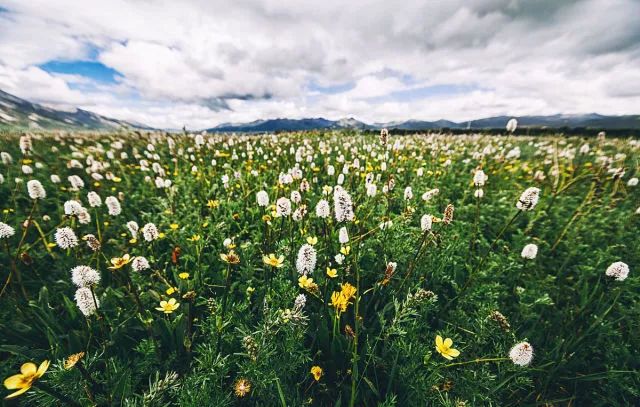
pixel 453 352
pixel 14 382
pixel 446 356
pixel 28 369
pixel 17 393
pixel 439 341
pixel 448 343
pixel 42 368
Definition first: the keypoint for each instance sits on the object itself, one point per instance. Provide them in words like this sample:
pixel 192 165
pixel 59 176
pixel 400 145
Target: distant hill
pixel 593 121
pixel 19 113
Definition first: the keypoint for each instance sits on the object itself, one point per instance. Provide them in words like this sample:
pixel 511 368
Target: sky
pixel 199 63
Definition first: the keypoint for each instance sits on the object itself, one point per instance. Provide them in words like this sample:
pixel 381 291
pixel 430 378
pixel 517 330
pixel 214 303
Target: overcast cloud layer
pixel 201 63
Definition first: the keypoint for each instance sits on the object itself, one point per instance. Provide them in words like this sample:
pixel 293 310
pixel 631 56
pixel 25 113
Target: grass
pixel 245 332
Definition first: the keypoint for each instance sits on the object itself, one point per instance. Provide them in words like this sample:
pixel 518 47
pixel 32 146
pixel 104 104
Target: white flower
pixel 479 178
pixel 584 149
pixel 300 301
pixel 632 182
pixel 283 207
pixel 408 194
pixel 529 199
pixel 133 228
pixel 76 182
pixel 66 238
pixel 512 125
pixel 343 235
pixel 306 261
pixel 72 208
pixel 94 199
pixel 430 194
pixel 322 209
pixel 296 197
pixel 342 205
pixel 479 193
pixel 339 258
pixel 425 223
pixel 86 301
pixel 84 276
pixel 6 231
pixel 372 190
pixel 521 354
pixel 113 205
pixel 618 270
pixel 530 251
pixel 55 178
pixel 35 189
pixel 150 232
pixel 140 263
pixel 83 216
pixel 262 198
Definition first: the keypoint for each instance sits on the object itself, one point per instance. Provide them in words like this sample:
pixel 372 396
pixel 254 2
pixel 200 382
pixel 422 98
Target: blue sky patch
pixel 90 69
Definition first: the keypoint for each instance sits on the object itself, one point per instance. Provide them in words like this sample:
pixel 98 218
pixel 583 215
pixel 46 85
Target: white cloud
pixel 185 61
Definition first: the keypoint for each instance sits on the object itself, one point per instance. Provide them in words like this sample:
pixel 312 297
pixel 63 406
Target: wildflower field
pixel 319 268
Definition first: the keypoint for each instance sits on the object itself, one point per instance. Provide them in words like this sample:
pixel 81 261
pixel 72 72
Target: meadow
pixel 319 268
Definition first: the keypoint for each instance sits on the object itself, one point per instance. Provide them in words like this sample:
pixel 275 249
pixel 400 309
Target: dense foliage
pixel 388 271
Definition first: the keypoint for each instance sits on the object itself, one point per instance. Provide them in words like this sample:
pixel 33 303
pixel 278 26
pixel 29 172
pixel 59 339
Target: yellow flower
pixel 445 348
pixel 305 282
pixel 242 387
pixel 174 226
pixel 213 203
pixel 119 262
pixel 312 240
pixel 339 301
pixel 72 360
pixel 183 276
pixel 348 290
pixel 23 381
pixel 133 240
pixel 171 290
pixel 316 371
pixel 273 261
pixel 333 273
pixel 194 238
pixel 168 306
pixel 231 257
pixel 345 250
pixel 266 218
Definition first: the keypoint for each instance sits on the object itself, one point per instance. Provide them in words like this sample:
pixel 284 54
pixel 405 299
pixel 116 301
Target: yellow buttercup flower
pixel 183 276
pixel 29 374
pixel 273 261
pixel 174 226
pixel 119 262
pixel 316 371
pixel 171 290
pixel 168 306
pixel 312 240
pixel 333 273
pixel 345 250
pixel 231 257
pixel 445 348
pixel 213 203
pixel 305 282
pixel 194 238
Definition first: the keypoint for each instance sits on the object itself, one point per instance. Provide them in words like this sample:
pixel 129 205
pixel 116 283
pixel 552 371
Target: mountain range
pixel 19 113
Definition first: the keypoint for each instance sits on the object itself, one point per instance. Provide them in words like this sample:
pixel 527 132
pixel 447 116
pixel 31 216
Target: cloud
pixel 201 62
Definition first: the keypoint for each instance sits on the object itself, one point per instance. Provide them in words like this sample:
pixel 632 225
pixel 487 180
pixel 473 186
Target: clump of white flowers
pixel 426 222
pixel 618 271
pixel 94 199
pixel 342 204
pixel 140 263
pixel 322 209
pixel 528 199
pixel 86 301
pixel 84 276
pixel 530 251
pixel 150 232
pixel 6 231
pixel 66 238
pixel 262 198
pixel 521 354
pixel 113 205
pixel 36 190
pixel 306 261
pixel 283 207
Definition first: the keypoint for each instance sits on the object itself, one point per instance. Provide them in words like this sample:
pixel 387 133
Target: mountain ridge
pixel 20 113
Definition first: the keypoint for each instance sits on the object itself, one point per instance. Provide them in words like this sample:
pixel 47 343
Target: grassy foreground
pixel 330 269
